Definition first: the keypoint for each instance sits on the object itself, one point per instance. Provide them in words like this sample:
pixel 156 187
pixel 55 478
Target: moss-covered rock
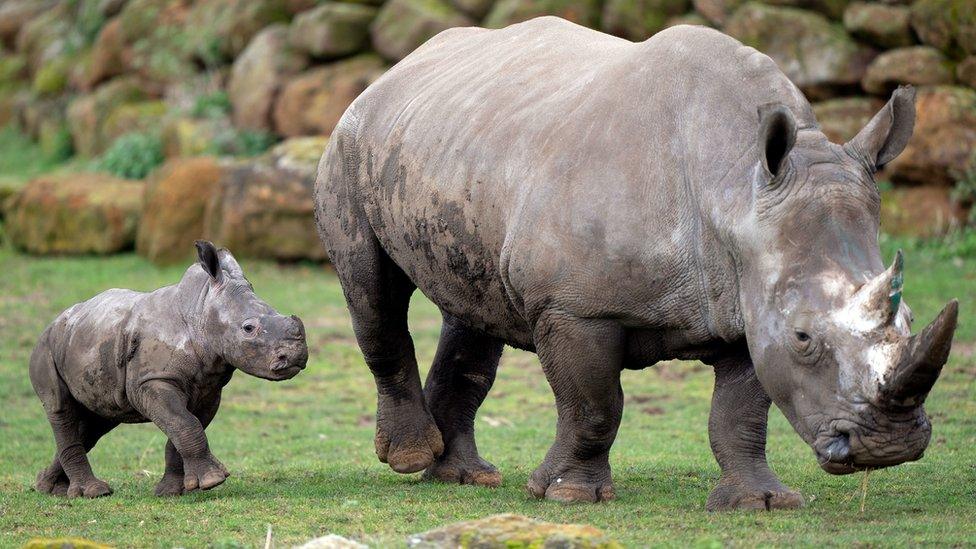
pixel 74 213
pixel 87 113
pixel 140 116
pixel 48 36
pixel 312 102
pixel 333 29
pixel 13 69
pixel 966 71
pixel 507 12
pixel 639 19
pixel 513 532
pixel 717 12
pixel 403 25
pixel 918 65
pixel 259 74
pixel 833 9
pixel 176 199
pixel 184 137
pixel 52 77
pixel 924 211
pixel 108 56
pixel 841 119
pixel 476 9
pixel 944 139
pixel 219 30
pixel 817 55
pixel 14 15
pixel 299 154
pixel 949 25
pixel 879 24
pixel 264 210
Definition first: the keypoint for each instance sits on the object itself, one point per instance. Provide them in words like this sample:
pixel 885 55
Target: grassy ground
pixel 302 459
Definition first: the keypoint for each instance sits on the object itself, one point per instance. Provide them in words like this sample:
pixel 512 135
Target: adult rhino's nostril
pixel 839 449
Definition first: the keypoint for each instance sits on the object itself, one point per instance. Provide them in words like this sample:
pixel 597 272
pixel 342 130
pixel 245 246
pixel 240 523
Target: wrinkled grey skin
pixel 610 205
pixel 164 356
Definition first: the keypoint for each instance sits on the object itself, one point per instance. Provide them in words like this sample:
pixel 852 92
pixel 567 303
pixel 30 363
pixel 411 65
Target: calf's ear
pixel 887 134
pixel 777 135
pixel 209 260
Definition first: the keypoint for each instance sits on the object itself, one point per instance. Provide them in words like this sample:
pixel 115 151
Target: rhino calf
pixel 163 356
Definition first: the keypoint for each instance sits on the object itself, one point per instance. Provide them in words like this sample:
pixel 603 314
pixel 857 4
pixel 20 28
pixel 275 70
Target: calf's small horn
pixel 922 359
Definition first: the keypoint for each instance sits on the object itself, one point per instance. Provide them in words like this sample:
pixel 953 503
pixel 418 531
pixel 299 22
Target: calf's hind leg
pixel 52 479
pixel 737 434
pixel 460 378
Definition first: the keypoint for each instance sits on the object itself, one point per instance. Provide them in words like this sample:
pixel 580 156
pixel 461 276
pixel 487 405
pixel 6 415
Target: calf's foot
pixel 89 488
pixel 203 473
pixel 730 495
pixel 568 484
pixel 170 485
pixel 52 480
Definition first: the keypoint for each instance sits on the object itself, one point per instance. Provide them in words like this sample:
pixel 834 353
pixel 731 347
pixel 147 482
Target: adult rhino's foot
pixel 408 442
pixel 455 469
pixel 203 473
pixel 170 485
pixel 52 481
pixel 571 485
pixel 766 496
pixel 90 488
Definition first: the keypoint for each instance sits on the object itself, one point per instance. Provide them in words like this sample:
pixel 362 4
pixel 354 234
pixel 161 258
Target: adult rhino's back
pixel 486 143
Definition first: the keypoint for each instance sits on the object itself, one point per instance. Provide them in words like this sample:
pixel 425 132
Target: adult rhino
pixel 609 205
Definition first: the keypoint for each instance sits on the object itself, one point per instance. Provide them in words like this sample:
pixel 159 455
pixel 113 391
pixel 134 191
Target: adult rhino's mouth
pixel 881 439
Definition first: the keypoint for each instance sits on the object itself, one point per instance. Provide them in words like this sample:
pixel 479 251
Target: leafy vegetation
pixel 133 155
pixel 301 451
pixel 211 105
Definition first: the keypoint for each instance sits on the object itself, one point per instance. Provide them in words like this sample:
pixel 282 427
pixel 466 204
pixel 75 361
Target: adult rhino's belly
pixel 447 241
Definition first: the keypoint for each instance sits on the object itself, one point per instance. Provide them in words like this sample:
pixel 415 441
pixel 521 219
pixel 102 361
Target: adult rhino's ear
pixel 887 134
pixel 777 134
pixel 209 260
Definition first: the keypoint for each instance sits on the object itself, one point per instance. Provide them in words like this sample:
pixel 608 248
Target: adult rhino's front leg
pixel 582 361
pixel 737 433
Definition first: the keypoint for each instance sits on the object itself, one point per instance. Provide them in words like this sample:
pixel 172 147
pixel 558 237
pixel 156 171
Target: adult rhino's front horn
pixel 921 360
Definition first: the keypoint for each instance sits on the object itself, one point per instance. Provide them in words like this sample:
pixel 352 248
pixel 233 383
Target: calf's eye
pixel 248 328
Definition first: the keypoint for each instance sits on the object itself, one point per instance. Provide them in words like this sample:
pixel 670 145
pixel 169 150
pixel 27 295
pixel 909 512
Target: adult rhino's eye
pixel 801 336
pixel 249 328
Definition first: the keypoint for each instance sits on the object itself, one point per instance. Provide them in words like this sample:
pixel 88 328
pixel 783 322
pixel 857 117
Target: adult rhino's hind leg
pixel 378 294
pixel 582 360
pixel 737 433
pixel 460 378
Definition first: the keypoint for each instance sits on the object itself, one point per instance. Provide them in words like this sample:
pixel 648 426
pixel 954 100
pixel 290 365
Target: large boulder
pixel 717 12
pixel 474 8
pixel 966 71
pixel 75 213
pixel 507 12
pixel 46 37
pixel 924 211
pixel 637 20
pixel 949 25
pixel 311 103
pixel 176 199
pixel 879 24
pixel 87 114
pixel 141 116
pixel 219 30
pixel 403 25
pixel 159 41
pixel 258 75
pixel 507 530
pixel 944 139
pixel 264 209
pixel 918 65
pixel 831 8
pixel 333 29
pixel 841 119
pixel 108 56
pixel 817 55
pixel 187 136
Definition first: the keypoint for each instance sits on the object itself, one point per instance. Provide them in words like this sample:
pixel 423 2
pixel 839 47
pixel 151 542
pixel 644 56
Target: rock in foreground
pixel 512 531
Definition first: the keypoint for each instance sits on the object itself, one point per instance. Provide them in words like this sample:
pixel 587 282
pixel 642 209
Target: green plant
pixel 211 105
pixel 133 155
pixel 235 142
pixel 964 191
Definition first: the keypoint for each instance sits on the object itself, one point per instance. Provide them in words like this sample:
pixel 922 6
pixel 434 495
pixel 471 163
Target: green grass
pixel 302 459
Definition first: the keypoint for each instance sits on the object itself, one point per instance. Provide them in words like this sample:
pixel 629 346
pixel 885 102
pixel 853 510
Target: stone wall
pixel 208 76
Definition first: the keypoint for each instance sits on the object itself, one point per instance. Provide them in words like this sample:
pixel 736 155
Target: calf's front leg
pixel 172 482
pixel 582 361
pixel 737 434
pixel 166 406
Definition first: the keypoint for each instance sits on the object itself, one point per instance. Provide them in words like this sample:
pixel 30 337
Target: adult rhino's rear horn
pixel 922 359
pixel 880 298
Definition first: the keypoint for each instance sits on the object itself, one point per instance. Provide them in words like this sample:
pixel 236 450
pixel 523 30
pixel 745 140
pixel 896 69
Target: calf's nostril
pixel 283 357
